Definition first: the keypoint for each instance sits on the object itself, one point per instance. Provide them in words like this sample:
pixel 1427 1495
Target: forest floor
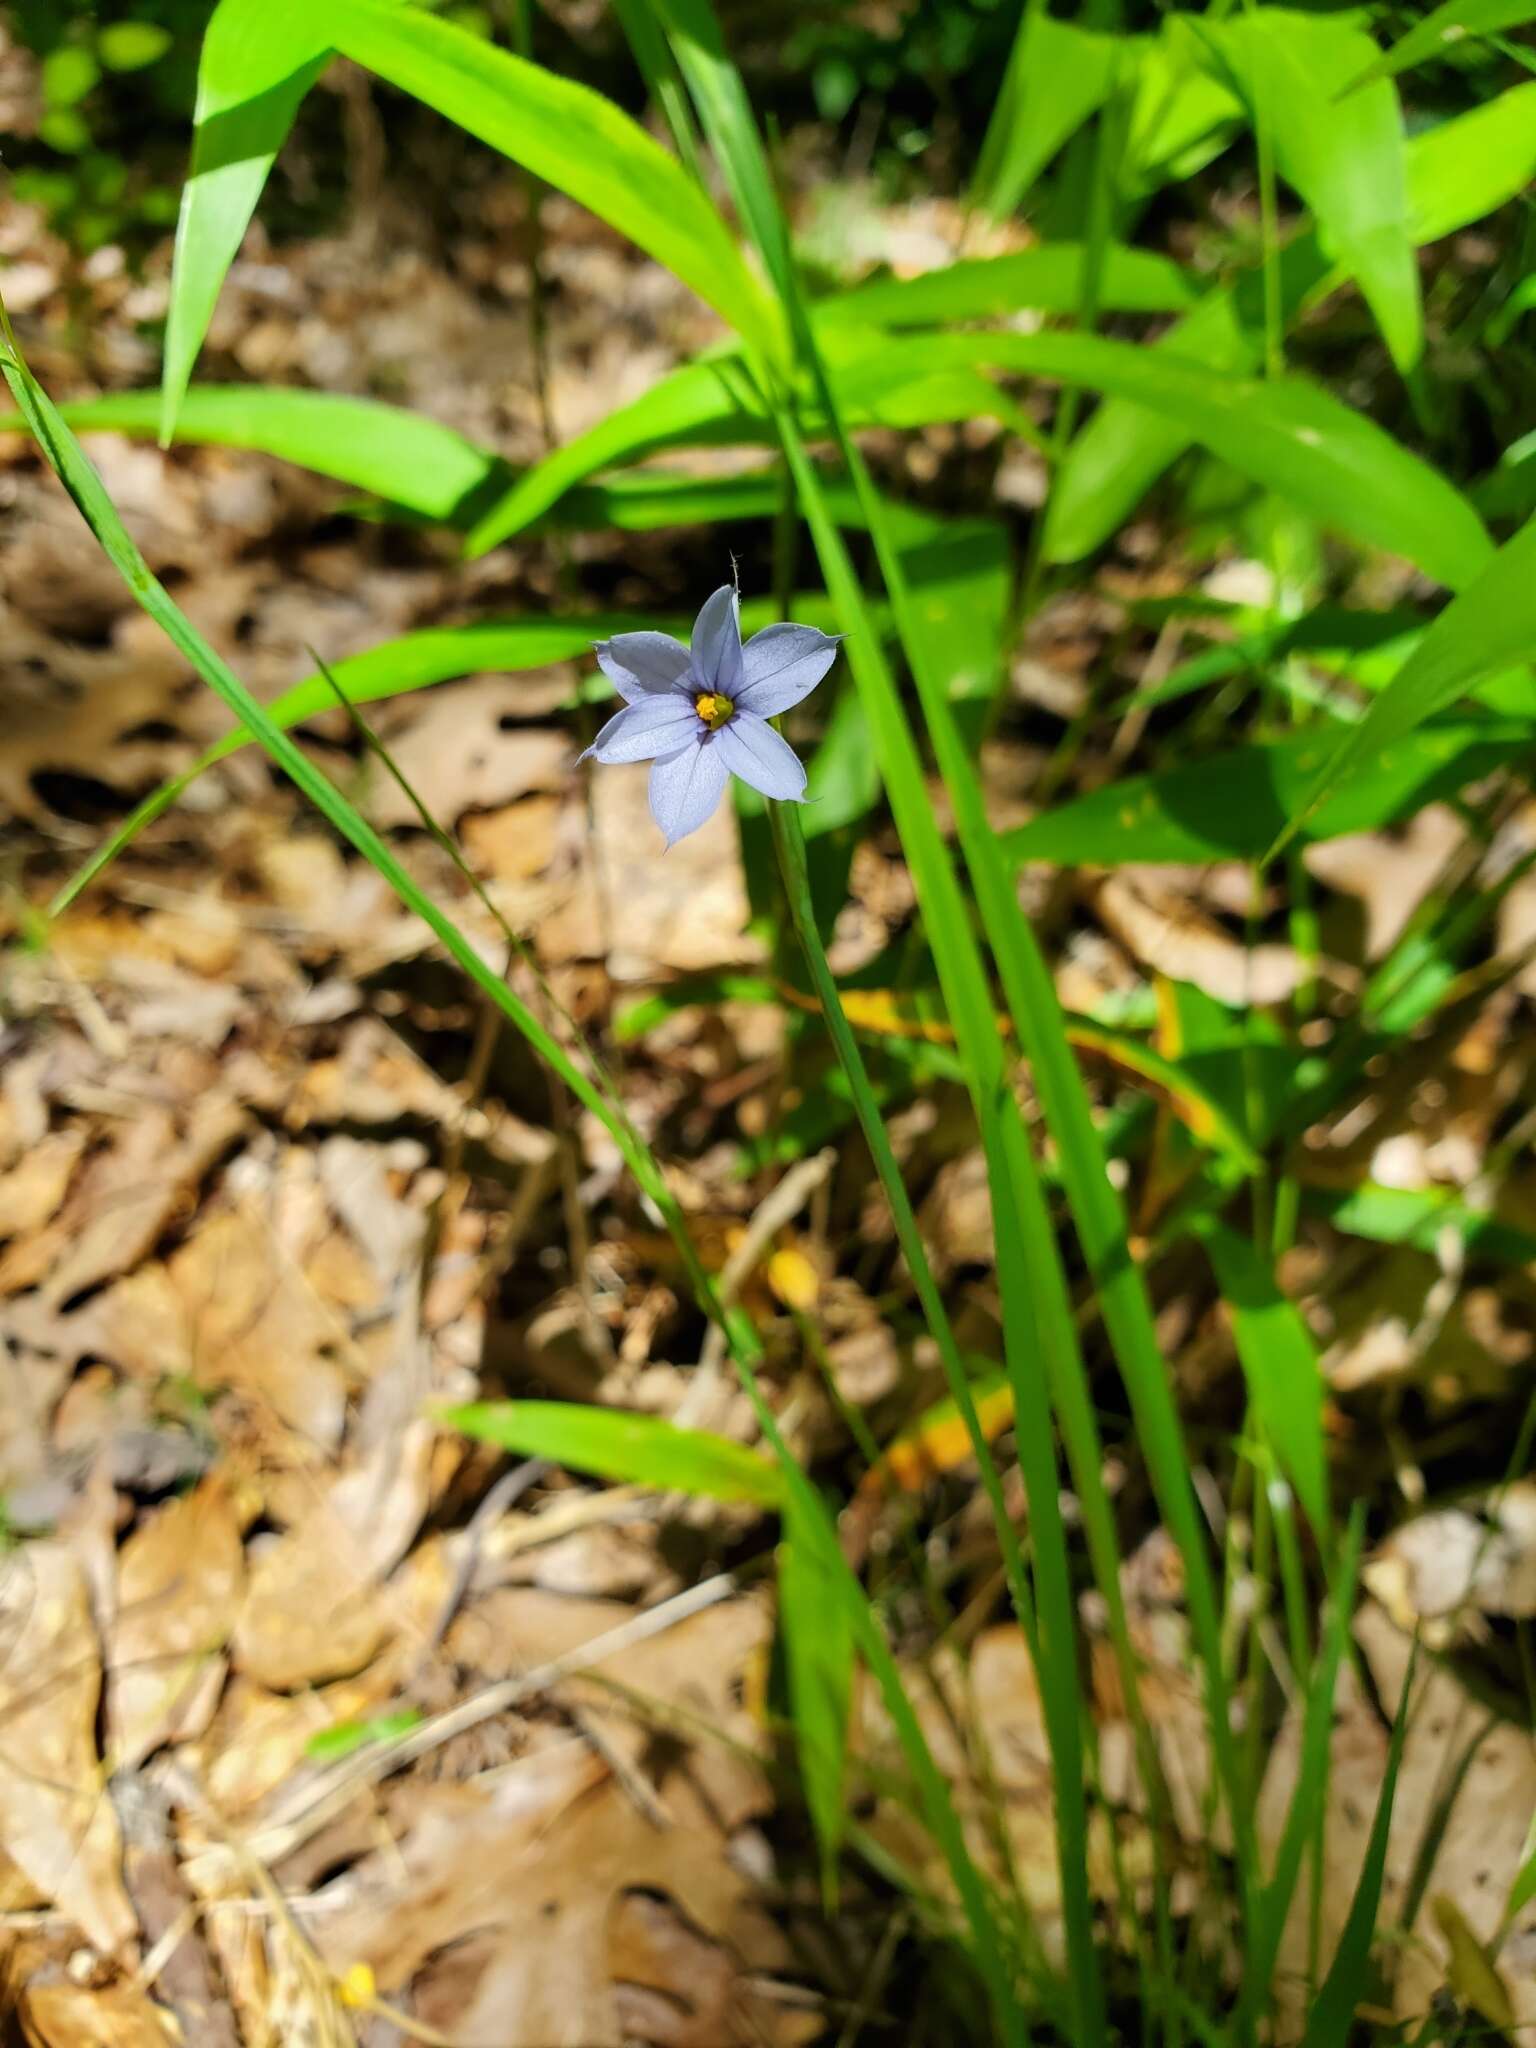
pixel 316 1722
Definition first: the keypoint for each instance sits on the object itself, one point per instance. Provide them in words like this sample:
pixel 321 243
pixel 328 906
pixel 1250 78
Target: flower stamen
pixel 714 709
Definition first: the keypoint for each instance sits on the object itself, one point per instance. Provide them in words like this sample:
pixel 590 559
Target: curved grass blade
pixel 259 58
pixel 1309 1800
pixel 1034 1287
pixel 1330 2024
pixel 819 1656
pixel 1457 172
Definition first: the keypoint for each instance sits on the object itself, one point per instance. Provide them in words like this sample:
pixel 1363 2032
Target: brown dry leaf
pixel 1442 1567
pixel 125 1197
pixel 56 1821
pixel 454 753
pixel 1389 873
pixel 540 1861
pixel 34 1189
pixel 70 2015
pixel 179 1579
pixel 251 1321
pixel 686 911
pixel 1456 1754
pixel 1169 935
pixel 316 1606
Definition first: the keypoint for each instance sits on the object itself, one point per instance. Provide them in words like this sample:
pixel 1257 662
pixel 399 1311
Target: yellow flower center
pixel 713 709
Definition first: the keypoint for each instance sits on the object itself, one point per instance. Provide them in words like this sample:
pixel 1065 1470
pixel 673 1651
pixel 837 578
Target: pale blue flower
pixel 699 714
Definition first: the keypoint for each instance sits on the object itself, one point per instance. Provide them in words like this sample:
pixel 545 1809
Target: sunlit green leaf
pixel 570 136
pixel 380 448
pixel 1288 435
pixel 259 58
pixel 1346 160
pixel 636 1450
pixel 1232 805
pixel 1441 30
pixel 1048 280
pixel 1058 75
pixel 818 1653
pixel 1280 1366
pixel 1491 625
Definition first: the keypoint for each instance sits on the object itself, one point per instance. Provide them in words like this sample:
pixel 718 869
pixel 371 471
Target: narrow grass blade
pixel 1279 1361
pixel 694 405
pixel 1331 2021
pixel 789 840
pixel 259 59
pixel 635 1450
pixel 1309 1799
pixel 1037 1016
pixel 413 662
pixel 1457 172
pixel 819 1657
pixel 1034 1292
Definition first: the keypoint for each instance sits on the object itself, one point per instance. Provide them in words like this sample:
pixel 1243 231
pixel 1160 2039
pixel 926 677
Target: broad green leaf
pixel 1231 806
pixel 1457 173
pixel 1057 76
pixel 1181 116
pixel 634 1450
pixel 1420 1217
pixel 381 448
pixel 571 137
pixel 819 1657
pixel 1490 626
pixel 1441 29
pixel 259 58
pixel 1288 435
pixel 1279 1361
pixel 1048 280
pixel 1466 168
pixel 1346 161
